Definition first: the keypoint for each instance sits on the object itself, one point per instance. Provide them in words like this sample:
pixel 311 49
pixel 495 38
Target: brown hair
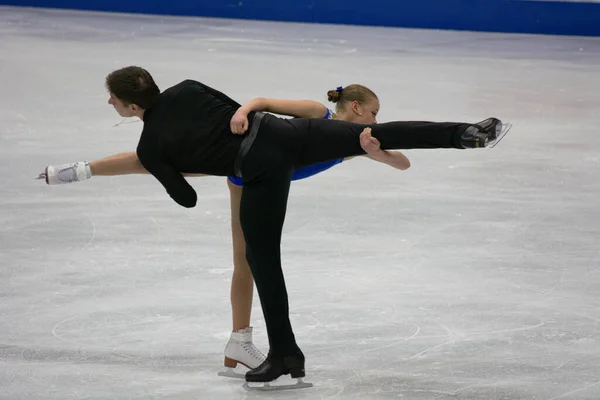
pixel 343 95
pixel 133 85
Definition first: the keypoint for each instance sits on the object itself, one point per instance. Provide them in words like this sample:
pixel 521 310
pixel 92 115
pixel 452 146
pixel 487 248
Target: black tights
pixel 282 145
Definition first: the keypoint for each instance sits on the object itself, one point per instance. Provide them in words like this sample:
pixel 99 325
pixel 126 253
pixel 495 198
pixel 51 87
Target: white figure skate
pixel 241 350
pixel 66 173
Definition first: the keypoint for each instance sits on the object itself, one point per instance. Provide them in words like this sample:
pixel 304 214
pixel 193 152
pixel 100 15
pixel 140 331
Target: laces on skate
pixel 253 351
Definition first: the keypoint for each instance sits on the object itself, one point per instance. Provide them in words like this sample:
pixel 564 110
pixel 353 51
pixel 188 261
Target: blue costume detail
pixel 303 172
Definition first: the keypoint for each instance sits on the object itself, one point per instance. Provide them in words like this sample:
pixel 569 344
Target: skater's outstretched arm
pixel 292 108
pixel 118 164
pixel 126 163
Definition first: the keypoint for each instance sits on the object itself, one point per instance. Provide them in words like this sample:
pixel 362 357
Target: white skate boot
pixel 241 350
pixel 66 173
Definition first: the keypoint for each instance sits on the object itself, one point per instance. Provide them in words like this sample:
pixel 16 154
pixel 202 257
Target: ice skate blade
pixel 230 373
pixel 268 387
pixel 505 128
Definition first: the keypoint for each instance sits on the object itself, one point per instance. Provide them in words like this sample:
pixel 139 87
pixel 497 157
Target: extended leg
pixel 328 139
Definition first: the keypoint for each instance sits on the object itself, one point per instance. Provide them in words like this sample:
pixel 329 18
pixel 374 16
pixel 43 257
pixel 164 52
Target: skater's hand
pixel 369 144
pixel 239 122
pixel 374 151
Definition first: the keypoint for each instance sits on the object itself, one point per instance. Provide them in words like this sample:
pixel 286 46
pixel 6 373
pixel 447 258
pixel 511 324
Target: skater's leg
pixel 328 139
pixel 262 214
pixel 419 135
pixel 240 348
pixel 242 283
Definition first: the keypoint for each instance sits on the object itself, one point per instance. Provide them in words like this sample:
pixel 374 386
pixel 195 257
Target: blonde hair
pixel 344 95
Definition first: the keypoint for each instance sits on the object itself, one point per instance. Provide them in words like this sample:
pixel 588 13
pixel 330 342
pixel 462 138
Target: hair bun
pixel 334 95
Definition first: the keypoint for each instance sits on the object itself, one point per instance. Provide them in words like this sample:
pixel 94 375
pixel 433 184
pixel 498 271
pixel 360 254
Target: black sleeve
pixel 171 179
pixel 221 96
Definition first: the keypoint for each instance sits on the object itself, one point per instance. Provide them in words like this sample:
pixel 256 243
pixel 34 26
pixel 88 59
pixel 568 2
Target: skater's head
pixel 355 103
pixel 132 90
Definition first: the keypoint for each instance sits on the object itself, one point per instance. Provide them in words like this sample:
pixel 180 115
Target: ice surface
pixel 473 275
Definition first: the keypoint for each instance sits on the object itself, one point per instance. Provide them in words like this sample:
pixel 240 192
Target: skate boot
pixel 485 133
pixel 276 366
pixel 66 173
pixel 241 350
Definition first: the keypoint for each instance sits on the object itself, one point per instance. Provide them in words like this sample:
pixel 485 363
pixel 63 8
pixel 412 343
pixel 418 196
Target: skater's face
pixel 123 110
pixel 364 113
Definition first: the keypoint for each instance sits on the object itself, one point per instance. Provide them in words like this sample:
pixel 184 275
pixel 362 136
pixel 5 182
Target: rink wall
pixel 566 17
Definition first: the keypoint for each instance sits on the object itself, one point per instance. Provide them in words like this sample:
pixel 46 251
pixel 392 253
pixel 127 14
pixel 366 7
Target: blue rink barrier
pixel 567 17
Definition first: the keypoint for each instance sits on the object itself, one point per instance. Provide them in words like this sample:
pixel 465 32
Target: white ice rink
pixel 473 275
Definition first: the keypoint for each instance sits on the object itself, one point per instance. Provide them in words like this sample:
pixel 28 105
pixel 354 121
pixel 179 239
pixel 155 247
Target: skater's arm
pixel 373 149
pixel 292 108
pixel 121 164
pixel 118 164
pixel 394 159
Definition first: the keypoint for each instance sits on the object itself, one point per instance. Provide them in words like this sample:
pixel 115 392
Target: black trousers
pixel 281 145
